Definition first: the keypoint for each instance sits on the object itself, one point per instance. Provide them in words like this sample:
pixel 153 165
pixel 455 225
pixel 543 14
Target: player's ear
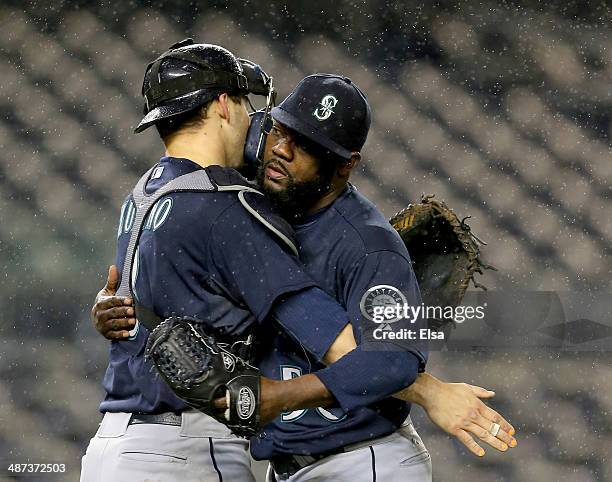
pixel 347 165
pixel 223 108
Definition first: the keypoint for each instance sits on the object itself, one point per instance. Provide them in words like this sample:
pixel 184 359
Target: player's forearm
pixel 363 377
pixel 343 344
pixel 298 393
pixel 308 391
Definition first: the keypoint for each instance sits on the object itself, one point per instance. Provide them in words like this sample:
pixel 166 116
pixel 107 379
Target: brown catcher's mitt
pixel 445 253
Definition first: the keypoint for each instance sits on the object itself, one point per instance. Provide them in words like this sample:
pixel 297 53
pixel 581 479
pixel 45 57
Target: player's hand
pixel 457 409
pixel 112 316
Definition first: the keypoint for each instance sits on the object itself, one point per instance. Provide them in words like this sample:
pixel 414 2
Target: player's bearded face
pixel 291 176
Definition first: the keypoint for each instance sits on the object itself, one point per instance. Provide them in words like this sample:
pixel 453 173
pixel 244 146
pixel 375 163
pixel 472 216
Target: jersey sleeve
pixel 380 375
pixel 249 261
pixel 312 317
pixel 385 277
pixel 385 366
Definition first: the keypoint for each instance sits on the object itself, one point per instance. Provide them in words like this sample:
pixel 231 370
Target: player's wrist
pixel 425 390
pixel 303 392
pixel 271 401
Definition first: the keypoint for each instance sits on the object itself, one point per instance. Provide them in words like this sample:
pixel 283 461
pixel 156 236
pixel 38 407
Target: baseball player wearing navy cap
pixel 348 246
pixel 350 249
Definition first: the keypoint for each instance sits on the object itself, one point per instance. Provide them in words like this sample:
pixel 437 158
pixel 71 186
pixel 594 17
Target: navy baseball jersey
pixel 347 249
pixel 202 254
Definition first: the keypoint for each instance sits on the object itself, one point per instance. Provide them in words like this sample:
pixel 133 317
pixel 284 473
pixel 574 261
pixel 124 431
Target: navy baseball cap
pixel 329 110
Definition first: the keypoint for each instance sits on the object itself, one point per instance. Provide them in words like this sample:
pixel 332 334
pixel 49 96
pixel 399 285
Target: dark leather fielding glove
pixel 199 369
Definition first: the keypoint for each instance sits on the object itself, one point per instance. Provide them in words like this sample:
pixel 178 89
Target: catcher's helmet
pixel 190 75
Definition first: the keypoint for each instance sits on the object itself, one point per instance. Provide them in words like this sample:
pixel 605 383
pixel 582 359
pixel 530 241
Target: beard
pixel 294 201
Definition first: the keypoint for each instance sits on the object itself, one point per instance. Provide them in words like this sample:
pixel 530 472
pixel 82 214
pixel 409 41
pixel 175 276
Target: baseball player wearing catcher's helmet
pixel 195 95
pixel 146 433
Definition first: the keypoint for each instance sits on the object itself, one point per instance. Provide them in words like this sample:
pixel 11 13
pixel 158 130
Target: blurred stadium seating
pixel 507 121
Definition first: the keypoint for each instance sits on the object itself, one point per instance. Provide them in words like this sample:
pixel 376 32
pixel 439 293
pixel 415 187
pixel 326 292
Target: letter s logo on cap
pixel 327 107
